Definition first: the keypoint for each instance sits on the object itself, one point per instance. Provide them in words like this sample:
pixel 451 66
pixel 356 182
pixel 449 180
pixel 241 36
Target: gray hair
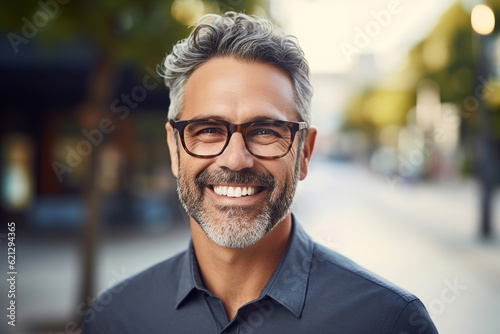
pixel 244 37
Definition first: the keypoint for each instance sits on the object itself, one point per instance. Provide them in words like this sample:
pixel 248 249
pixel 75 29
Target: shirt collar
pixel 189 277
pixel 287 285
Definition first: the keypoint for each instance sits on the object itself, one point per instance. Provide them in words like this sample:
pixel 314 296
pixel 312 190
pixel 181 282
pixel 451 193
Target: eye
pixel 205 129
pixel 208 131
pixel 268 130
pixel 263 132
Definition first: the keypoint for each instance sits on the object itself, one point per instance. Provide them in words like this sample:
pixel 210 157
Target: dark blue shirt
pixel 312 290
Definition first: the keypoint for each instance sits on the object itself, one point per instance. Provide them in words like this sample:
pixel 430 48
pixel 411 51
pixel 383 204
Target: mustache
pixel 227 176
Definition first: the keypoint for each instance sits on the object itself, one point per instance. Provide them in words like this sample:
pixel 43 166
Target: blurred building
pixel 48 138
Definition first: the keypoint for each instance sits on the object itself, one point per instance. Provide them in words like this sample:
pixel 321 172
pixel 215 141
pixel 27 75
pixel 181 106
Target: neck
pixel 237 276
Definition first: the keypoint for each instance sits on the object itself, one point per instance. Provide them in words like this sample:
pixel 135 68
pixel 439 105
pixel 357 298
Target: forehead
pixel 238 91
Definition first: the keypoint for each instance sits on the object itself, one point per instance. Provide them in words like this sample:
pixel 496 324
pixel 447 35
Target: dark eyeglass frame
pixel 241 128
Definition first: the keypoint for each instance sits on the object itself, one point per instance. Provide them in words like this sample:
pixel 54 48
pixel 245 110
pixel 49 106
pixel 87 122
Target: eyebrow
pixel 225 119
pixel 204 117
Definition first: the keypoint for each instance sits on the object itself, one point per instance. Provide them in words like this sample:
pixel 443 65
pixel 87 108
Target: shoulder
pixel 364 297
pixel 161 275
pixel 153 288
pixel 348 273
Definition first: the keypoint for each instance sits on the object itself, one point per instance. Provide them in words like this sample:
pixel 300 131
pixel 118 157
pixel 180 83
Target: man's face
pixel 237 92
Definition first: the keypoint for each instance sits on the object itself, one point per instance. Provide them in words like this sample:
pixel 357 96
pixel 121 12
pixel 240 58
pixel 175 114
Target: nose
pixel 236 156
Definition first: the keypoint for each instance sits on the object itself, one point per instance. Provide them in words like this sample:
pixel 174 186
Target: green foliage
pixel 448 56
pixel 456 76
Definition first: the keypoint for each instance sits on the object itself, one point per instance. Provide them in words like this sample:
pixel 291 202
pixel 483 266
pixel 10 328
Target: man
pixel 239 137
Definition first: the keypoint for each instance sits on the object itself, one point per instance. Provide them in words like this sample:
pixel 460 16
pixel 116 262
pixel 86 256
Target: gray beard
pixel 234 226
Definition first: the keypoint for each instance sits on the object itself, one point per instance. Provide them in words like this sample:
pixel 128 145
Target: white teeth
pixel 234 191
pixel 217 190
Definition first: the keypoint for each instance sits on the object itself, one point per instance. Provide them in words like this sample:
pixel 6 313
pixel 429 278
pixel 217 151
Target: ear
pixel 174 158
pixel 305 155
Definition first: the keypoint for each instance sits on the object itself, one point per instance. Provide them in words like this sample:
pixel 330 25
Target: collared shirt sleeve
pixel 414 319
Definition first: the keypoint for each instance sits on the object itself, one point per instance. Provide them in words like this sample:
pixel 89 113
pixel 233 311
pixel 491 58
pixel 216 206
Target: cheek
pixel 293 154
pixel 283 174
pixel 292 163
pixel 190 167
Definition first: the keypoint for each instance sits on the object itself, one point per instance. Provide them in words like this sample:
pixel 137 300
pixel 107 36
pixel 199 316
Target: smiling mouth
pixel 236 191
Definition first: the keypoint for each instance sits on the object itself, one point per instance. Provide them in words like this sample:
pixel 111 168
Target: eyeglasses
pixel 265 139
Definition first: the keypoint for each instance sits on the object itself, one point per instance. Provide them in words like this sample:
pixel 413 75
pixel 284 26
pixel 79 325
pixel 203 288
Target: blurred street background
pixel 404 178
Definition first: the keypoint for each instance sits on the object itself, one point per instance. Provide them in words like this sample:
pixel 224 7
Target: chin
pixel 233 230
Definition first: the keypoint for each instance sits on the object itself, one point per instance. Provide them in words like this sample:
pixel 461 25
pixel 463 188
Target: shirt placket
pixel 219 314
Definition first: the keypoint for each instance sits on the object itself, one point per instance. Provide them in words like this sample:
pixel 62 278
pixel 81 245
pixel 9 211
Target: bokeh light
pixel 187 12
pixel 483 19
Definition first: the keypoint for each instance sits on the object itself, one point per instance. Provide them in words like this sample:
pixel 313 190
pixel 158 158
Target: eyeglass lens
pixel 262 138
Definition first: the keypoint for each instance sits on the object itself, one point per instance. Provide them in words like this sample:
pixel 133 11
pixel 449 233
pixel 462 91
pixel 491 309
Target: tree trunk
pixel 91 112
